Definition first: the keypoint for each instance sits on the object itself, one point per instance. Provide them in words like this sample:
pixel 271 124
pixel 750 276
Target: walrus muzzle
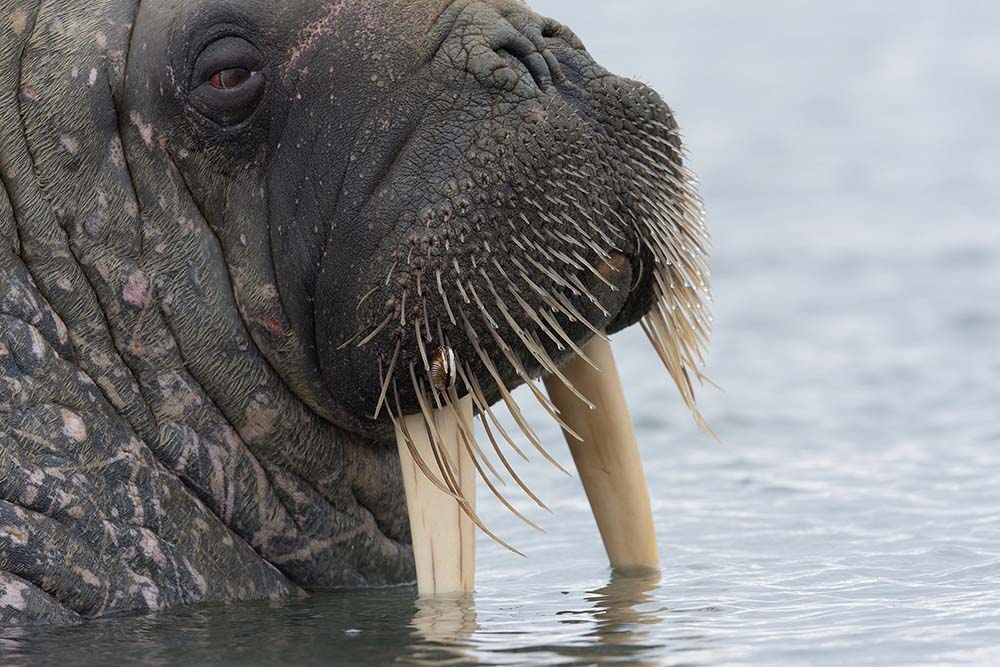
pixel 439 453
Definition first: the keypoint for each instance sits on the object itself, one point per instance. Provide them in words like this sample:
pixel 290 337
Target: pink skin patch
pixel 145 129
pixel 19 21
pixel 312 33
pixel 12 595
pixel 87 576
pixel 151 547
pixel 71 145
pixel 137 292
pixel 14 535
pixel 73 426
pixel 272 325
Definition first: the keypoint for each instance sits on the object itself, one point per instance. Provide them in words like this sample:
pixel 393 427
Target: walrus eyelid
pixel 229 99
pixel 227 81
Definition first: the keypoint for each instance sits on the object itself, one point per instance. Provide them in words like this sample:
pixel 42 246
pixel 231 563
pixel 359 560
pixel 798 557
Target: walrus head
pixel 407 188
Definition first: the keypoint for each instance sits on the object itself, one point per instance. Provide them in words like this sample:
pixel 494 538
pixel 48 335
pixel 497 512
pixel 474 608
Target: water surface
pixel 851 515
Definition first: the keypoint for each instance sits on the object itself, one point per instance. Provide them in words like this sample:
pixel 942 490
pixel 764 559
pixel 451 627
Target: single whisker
pixel 421 347
pixel 444 297
pixel 379 329
pixel 388 378
pixel 482 309
pixel 367 295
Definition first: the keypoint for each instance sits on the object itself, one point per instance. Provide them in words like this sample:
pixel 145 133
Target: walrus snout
pixel 509 210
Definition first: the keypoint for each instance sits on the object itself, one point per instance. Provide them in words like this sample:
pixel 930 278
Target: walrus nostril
pixel 521 49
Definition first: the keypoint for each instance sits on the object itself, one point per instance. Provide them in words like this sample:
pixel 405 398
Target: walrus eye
pixel 230 78
pixel 227 81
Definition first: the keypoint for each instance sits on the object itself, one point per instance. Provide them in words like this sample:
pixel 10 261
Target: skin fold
pixel 182 265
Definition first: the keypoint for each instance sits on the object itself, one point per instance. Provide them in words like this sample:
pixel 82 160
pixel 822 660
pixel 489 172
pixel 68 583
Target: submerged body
pixel 228 228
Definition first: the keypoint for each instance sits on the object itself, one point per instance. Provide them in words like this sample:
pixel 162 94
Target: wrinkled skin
pixel 180 266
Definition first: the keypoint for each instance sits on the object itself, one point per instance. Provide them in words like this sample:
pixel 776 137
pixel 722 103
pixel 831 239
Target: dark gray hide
pixel 180 265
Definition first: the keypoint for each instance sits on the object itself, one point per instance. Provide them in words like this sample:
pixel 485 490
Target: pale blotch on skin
pixel 19 21
pixel 35 481
pixel 73 426
pixel 14 535
pixel 87 576
pixel 30 93
pixel 312 33
pixel 12 595
pixel 38 344
pixel 151 547
pixel 137 291
pixel 260 419
pixel 71 145
pixel 145 129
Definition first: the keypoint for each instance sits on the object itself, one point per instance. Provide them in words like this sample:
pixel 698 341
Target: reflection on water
pixel 615 622
pixel 443 627
pixel 624 615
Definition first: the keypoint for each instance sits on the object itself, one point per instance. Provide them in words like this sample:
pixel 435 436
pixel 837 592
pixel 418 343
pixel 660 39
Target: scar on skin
pixel 312 33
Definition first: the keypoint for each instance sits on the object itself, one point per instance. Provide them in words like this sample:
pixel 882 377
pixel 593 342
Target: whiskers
pixel 517 303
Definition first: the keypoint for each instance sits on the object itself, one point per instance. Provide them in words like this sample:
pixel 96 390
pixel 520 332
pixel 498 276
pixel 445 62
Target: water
pixel 851 515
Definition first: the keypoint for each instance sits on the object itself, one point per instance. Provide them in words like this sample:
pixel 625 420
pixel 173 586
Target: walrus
pixel 263 263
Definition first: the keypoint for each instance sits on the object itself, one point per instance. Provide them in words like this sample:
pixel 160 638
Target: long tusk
pixel 444 541
pixel 608 458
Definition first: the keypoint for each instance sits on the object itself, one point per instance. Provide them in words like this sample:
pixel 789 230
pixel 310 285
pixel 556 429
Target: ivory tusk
pixel 607 458
pixel 444 541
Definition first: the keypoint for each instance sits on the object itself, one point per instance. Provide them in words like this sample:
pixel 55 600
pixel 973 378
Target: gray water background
pixel 850 160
